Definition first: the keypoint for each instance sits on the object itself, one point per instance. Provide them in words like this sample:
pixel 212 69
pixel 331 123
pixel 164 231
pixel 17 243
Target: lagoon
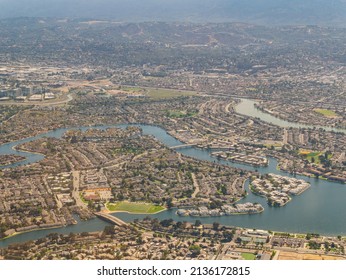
pixel 320 209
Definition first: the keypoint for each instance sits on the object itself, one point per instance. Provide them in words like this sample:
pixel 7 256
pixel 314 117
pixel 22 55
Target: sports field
pixel 134 207
pixel 248 256
pixel 326 113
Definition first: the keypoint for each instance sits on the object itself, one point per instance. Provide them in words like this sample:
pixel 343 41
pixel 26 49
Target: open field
pixel 167 93
pixel 133 207
pixel 326 113
pixel 133 89
pixel 296 256
pixel 248 256
pixel 180 114
pixel 313 156
pixel 158 93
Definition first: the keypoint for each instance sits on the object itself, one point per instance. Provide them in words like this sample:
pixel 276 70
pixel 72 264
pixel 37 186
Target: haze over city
pixel 278 12
pixel 173 130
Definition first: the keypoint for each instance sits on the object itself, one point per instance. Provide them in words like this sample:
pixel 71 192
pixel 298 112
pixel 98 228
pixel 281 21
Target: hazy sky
pixel 266 11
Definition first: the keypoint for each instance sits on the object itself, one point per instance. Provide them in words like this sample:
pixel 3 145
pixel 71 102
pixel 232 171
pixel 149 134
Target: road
pixel 75 192
pixel 110 218
pixel 195 184
pixel 40 103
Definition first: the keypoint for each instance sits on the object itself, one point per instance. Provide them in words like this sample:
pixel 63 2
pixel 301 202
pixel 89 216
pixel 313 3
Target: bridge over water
pixel 184 146
pixel 109 218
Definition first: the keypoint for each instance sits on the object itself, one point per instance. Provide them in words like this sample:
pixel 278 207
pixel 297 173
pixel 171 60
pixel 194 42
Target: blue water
pixel 320 209
pixel 247 107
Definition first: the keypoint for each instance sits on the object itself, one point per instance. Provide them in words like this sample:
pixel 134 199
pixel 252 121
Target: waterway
pixel 247 107
pixel 320 209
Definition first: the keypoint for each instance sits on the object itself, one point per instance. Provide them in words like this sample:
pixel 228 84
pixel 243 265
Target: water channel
pixel 320 209
pixel 247 107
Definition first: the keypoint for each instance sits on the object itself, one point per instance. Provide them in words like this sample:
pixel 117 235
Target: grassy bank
pixel 326 113
pixel 134 207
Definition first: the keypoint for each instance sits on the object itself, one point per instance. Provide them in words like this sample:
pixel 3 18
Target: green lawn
pixel 248 256
pixel 158 93
pixel 326 113
pixel 82 198
pixel 310 155
pixel 168 93
pixel 315 156
pixel 132 89
pixel 133 207
pixel 180 114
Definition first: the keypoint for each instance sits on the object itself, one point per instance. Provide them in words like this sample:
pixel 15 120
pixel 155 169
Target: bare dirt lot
pixel 297 256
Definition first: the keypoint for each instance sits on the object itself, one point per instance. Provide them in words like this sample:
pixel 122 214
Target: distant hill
pixel 269 12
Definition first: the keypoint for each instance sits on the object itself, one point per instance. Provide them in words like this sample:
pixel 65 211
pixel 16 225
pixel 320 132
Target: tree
pixel 73 139
pixel 169 203
pixel 326 246
pixel 139 240
pixel 198 223
pixel 71 237
pixel 314 245
pixel 109 230
pixel 227 235
pixel 3 228
pixel 216 225
pixel 195 250
pixel 166 222
pixel 179 225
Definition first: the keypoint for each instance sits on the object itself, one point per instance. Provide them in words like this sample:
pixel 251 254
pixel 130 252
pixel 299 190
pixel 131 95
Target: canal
pixel 320 209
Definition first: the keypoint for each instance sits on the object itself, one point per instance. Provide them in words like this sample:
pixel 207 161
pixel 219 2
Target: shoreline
pixel 141 213
pixel 310 175
pixel 251 188
pixel 235 214
pixel 14 148
pixel 270 231
pixel 133 213
pixel 17 149
pixel 32 230
pixel 333 129
pixel 4 166
pixel 255 165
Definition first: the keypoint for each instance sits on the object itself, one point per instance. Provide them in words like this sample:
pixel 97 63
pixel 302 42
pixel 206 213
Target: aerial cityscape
pixel 172 140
